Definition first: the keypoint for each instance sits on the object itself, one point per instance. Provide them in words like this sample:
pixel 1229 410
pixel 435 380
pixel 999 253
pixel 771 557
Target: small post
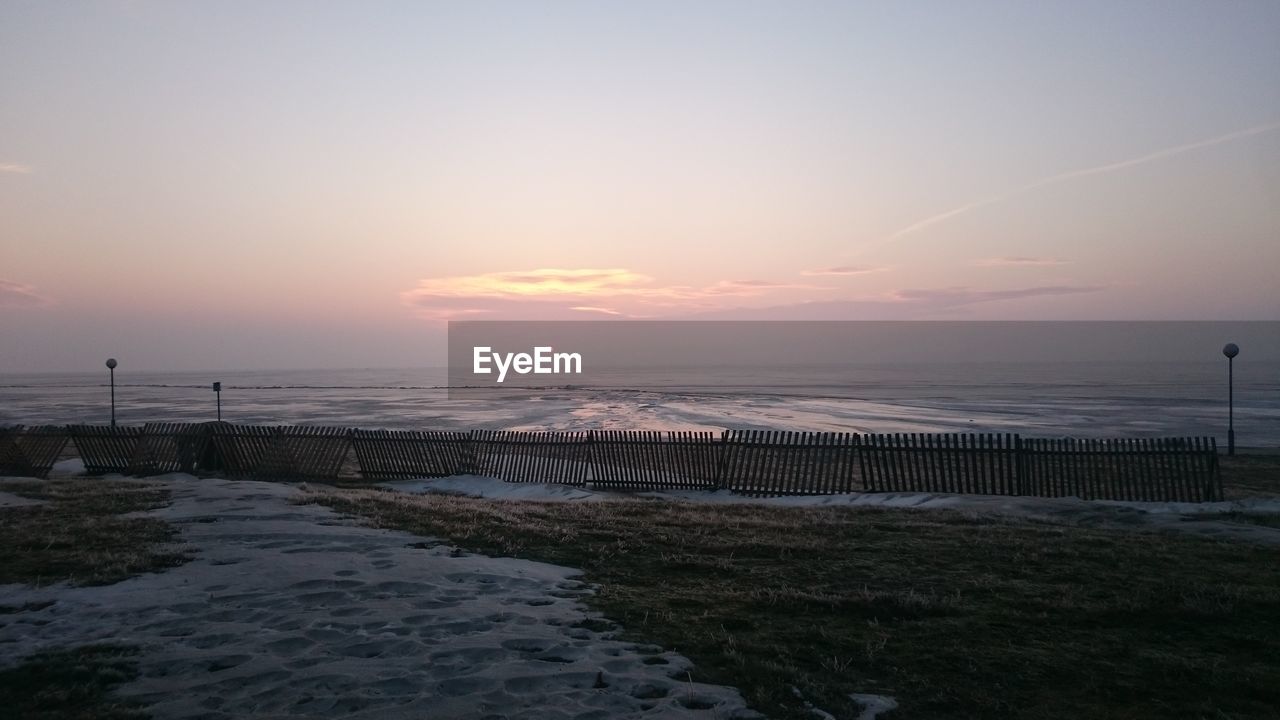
pixel 1231 350
pixel 111 367
pixel 217 391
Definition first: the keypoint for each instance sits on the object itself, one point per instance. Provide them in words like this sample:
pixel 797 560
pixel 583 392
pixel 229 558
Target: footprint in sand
pixel 227 662
pixel 326 683
pixel 364 650
pixel 531 684
pixel 204 642
pixel 649 691
pixel 325 598
pixel 286 625
pixel 435 604
pixel 458 686
pixel 312 585
pixel 288 646
pixel 527 645
pixel 395 686
pixel 350 612
pixel 321 635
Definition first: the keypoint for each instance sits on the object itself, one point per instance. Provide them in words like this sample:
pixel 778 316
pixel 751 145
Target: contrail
pixel 1071 175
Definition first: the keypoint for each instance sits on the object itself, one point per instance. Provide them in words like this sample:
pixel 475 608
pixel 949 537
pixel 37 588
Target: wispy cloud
pixel 1072 175
pixel 600 310
pixel 13 294
pixel 907 304
pixel 555 293
pixel 844 270
pixel 567 294
pixel 957 296
pixel 16 168
pixel 1021 261
pixel 754 287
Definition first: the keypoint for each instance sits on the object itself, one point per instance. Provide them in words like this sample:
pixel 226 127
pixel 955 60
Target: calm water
pixel 1045 399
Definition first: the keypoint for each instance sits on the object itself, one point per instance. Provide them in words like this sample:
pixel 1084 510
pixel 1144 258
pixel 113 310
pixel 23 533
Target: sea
pixel 1036 399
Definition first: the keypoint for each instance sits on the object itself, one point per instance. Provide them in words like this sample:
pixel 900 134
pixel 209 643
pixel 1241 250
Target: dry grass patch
pixel 73 684
pixel 1250 474
pixel 1266 519
pixel 80 534
pixel 956 616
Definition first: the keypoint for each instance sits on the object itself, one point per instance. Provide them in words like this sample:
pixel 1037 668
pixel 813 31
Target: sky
pixel 245 185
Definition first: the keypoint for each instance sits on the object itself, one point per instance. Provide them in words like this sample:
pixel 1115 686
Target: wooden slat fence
pixel 981 464
pixel 282 453
pixel 252 451
pixel 9 449
pixel 31 451
pixel 1157 469
pixel 654 460
pixel 544 457
pixel 751 462
pixel 397 454
pixel 1143 469
pixel 315 453
pixel 171 447
pixel 774 462
pixel 103 448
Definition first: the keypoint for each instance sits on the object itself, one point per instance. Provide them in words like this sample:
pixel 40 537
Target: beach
pixel 1034 399
pixel 432 598
pixel 289 610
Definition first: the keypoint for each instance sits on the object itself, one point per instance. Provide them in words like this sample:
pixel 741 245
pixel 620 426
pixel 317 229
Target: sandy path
pixel 293 611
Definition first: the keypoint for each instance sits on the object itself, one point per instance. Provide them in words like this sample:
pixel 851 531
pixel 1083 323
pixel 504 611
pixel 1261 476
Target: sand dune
pixel 293 611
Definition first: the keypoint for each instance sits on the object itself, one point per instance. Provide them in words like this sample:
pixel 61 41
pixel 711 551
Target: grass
pixel 73 684
pixel 1240 516
pixel 1250 474
pixel 80 533
pixel 955 616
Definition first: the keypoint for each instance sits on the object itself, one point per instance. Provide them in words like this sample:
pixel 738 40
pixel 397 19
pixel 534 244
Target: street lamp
pixel 1231 351
pixel 111 365
pixel 217 390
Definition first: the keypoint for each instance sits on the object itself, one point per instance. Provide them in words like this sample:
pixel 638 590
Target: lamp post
pixel 217 390
pixel 111 366
pixel 1231 351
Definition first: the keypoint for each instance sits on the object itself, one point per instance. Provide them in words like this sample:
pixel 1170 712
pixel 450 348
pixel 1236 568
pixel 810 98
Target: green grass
pixel 957 617
pixel 80 535
pixel 73 684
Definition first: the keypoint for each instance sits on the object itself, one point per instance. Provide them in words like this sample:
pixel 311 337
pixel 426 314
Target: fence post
pixel 1215 475
pixel 471 457
pixel 721 452
pixel 1019 467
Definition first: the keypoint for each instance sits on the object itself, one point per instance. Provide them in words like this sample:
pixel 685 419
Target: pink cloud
pixel 957 296
pixel 904 304
pixel 1021 261
pixel 844 270
pixel 553 293
pixel 14 294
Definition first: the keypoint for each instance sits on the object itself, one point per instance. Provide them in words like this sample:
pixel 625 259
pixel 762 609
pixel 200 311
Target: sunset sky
pixel 226 185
